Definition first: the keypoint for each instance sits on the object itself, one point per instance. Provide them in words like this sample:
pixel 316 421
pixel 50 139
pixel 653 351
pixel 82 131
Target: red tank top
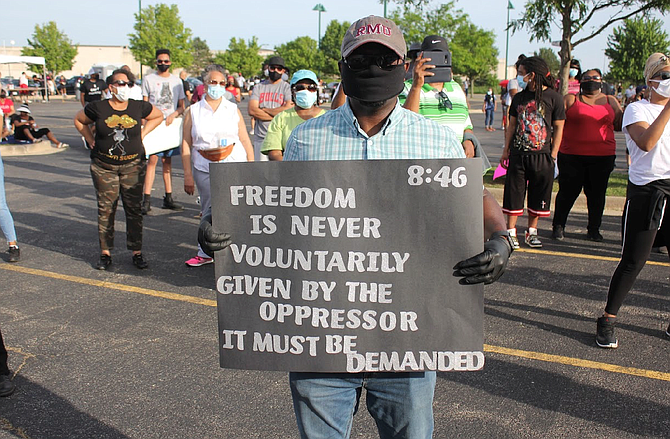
pixel 589 130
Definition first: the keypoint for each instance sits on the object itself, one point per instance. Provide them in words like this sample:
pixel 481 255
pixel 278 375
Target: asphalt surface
pixel 114 355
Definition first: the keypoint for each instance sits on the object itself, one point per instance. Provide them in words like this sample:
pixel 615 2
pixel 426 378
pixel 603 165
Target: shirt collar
pixel 394 118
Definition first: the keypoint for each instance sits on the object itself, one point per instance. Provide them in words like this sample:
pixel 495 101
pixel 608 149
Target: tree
pixel 416 23
pixel 473 54
pixel 301 53
pixel 629 46
pixel 331 43
pixel 52 44
pixel 159 27
pixel 202 56
pixel 242 57
pixel 574 17
pixel 549 56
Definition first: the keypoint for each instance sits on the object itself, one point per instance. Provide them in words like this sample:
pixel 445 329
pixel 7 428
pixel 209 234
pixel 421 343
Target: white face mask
pixel 663 88
pixel 122 93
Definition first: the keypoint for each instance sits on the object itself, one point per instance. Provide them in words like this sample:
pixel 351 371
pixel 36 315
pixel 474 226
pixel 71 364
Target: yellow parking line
pixel 576 362
pixel 583 256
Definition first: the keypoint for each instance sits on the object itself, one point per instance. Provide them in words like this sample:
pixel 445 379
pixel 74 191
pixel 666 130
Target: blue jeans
pixel 489 118
pixel 400 403
pixel 6 220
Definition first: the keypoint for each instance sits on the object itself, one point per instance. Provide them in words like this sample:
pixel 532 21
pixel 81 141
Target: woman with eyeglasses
pixel 118 162
pixel 586 157
pixel 214 132
pixel 305 96
pixel 645 125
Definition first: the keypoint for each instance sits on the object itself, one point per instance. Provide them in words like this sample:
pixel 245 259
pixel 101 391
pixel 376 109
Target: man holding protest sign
pixel 372 125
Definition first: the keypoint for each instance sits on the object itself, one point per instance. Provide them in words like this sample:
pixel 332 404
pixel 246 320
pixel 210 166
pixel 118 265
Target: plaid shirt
pixel 337 136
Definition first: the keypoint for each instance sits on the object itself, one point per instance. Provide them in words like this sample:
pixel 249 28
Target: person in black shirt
pixel 25 128
pixel 92 89
pixel 118 161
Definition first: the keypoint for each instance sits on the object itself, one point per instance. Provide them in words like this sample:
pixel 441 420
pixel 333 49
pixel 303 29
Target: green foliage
pixel 473 53
pixel 331 42
pixel 630 45
pixel 574 19
pixel 416 22
pixel 301 53
pixel 52 44
pixel 159 27
pixel 550 57
pixel 202 56
pixel 242 56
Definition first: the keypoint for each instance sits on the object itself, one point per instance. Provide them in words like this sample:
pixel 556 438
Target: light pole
pixel 319 7
pixel 384 8
pixel 509 6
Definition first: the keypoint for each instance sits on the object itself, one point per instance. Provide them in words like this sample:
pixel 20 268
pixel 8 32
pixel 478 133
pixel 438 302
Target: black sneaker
pixel 168 203
pixel 605 333
pixel 14 254
pixel 7 387
pixel 139 261
pixel 594 235
pixel 104 262
pixel 146 205
pixel 558 233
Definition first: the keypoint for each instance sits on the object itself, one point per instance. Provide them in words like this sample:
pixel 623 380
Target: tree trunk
pixel 566 48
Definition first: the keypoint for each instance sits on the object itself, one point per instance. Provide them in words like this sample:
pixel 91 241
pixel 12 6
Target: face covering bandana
pixel 305 98
pixel 663 88
pixel 522 83
pixel 590 86
pixel 216 91
pixel 274 76
pixel 373 84
pixel 122 93
pixel 162 67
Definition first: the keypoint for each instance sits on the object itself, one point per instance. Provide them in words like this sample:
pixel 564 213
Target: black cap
pixel 276 61
pixel 434 43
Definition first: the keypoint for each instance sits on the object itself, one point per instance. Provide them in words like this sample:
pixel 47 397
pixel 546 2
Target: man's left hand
pixel 488 266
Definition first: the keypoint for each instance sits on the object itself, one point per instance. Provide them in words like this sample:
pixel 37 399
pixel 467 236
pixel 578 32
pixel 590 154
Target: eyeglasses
pixel 221 83
pixel 444 101
pixel 592 78
pixel 300 87
pixel 163 61
pixel 362 62
pixel 663 75
pixel 276 68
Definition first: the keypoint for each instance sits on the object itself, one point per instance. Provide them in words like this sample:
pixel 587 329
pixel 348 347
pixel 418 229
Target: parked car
pixel 71 84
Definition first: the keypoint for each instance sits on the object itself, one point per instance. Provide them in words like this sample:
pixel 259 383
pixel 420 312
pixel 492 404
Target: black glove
pixel 211 241
pixel 489 265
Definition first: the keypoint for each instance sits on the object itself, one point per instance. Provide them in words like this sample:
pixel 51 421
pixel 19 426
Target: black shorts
pixel 536 171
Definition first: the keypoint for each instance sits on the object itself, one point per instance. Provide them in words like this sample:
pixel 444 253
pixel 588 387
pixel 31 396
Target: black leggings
pixel 20 133
pixel 4 369
pixel 637 244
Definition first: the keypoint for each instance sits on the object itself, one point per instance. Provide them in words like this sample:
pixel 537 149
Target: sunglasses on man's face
pixel 276 68
pixel 361 62
pixel 214 83
pixel 591 78
pixel 163 61
pixel 300 87
pixel 663 75
pixel 122 83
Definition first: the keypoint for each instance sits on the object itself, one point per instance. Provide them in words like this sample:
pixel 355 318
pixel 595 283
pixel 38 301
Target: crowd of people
pixel 408 107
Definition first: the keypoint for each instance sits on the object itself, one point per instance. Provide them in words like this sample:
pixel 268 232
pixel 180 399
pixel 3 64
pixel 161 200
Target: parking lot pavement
pixel 133 354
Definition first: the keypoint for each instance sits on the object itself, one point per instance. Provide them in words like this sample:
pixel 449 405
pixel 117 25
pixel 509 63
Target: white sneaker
pixel 533 241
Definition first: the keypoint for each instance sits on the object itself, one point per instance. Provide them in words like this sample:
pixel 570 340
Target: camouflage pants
pixel 110 180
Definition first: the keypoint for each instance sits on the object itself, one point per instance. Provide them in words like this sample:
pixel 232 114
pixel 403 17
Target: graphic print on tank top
pixel 119 124
pixel 531 131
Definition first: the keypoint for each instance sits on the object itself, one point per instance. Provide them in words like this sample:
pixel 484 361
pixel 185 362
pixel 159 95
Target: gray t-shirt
pixel 269 96
pixel 164 93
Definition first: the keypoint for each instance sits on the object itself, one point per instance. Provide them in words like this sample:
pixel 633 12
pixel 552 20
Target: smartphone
pixel 442 70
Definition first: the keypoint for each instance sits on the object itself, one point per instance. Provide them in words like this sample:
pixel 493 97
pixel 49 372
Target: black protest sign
pixel 346 266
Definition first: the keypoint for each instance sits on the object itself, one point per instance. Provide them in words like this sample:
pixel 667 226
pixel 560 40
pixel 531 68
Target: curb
pixel 42 147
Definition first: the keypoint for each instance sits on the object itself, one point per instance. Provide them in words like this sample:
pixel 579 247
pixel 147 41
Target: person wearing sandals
pixel 214 132
pixel 118 163
pixel 645 125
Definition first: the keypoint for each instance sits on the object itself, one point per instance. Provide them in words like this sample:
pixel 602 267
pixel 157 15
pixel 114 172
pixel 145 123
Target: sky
pixel 273 22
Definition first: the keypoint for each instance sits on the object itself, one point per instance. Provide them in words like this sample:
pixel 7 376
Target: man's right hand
pixel 504 158
pixel 421 70
pixel 210 240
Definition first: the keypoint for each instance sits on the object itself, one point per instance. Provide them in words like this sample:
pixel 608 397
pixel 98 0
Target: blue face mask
pixel 522 83
pixel 216 91
pixel 573 72
pixel 305 98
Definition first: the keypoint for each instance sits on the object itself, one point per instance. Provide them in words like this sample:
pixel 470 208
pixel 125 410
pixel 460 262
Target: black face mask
pixel 373 84
pixel 589 87
pixel 162 67
pixel 274 75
